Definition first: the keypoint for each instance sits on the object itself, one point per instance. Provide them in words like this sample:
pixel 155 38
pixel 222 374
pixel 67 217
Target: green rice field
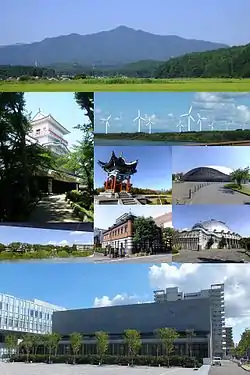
pixel 133 84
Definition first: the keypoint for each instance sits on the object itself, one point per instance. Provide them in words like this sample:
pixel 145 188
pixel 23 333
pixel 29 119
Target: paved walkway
pixel 212 256
pixel 63 369
pixel 217 194
pixel 227 368
pixel 52 209
pixel 214 193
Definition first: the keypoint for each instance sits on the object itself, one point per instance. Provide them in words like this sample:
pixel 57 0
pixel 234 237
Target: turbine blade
pixel 185 114
pixel 191 117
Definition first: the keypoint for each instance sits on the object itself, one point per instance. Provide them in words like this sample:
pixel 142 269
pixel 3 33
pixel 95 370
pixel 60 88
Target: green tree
pixel 20 160
pixel 190 334
pixel 244 344
pixel 167 337
pixel 223 243
pixel 51 341
pixel 11 343
pixel 210 243
pixel 27 344
pixel 146 233
pixel 240 176
pixel 102 342
pixel 75 343
pixel 133 340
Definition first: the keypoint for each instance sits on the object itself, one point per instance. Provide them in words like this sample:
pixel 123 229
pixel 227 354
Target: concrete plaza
pixel 212 256
pixel 210 193
pixel 63 369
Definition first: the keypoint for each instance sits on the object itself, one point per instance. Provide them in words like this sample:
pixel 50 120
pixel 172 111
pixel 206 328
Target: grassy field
pixel 133 84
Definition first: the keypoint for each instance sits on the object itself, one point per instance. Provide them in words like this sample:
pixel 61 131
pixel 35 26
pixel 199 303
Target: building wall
pixel 215 297
pixel 204 174
pixel 197 239
pixel 181 315
pixel 23 316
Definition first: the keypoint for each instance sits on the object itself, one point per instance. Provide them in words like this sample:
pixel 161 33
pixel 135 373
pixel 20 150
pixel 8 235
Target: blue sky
pixel 94 284
pixel 186 158
pixel 105 216
pixel 237 218
pixel 226 110
pixel 153 169
pixel 45 18
pixel 43 236
pixel 62 106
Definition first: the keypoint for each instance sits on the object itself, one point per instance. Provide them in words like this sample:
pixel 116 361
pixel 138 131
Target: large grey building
pixel 184 315
pixel 215 298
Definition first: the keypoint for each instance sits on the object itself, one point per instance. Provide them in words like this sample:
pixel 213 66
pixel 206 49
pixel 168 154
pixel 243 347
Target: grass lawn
pixel 244 189
pixel 155 200
pixel 133 84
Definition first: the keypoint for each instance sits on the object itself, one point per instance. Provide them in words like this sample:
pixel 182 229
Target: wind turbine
pixel 149 124
pixel 180 125
pixel 107 124
pixel 189 117
pixel 211 125
pixel 139 119
pixel 199 121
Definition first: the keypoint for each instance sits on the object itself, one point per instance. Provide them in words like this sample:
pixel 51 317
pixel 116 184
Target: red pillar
pixel 114 184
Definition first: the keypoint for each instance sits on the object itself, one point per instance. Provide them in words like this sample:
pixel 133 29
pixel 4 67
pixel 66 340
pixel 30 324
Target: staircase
pixel 127 198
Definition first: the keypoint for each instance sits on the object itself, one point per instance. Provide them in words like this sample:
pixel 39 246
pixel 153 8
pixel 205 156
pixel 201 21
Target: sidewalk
pixel 52 209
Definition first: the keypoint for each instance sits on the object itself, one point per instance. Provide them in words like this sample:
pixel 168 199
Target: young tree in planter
pixel 75 343
pixel 167 337
pixel 133 340
pixel 190 334
pixel 102 342
pixel 27 344
pixel 51 342
pixel 11 343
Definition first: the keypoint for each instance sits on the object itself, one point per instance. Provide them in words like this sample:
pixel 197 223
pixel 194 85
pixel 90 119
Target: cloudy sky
pixel 117 284
pixel 10 234
pixel 220 111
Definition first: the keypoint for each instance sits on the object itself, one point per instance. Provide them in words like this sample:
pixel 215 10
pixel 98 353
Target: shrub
pixel 232 186
pixel 140 360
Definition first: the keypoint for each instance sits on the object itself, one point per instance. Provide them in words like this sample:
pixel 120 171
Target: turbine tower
pixel 107 124
pixel 189 118
pixel 149 124
pixel 199 121
pixel 139 119
pixel 180 126
pixel 211 125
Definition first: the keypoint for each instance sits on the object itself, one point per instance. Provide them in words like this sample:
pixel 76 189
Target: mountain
pixel 231 62
pixel 119 46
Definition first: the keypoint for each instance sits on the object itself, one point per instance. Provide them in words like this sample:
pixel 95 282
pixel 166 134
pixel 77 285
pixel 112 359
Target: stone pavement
pixel 63 369
pixel 52 209
pixel 211 256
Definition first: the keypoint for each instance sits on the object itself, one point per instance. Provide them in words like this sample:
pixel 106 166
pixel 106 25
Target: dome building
pixel 210 234
pixel 208 174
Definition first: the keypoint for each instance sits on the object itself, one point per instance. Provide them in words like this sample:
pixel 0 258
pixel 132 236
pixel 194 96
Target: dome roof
pixel 224 170
pixel 212 225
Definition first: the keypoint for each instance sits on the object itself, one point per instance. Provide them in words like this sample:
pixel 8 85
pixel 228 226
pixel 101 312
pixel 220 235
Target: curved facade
pixel 210 234
pixel 208 174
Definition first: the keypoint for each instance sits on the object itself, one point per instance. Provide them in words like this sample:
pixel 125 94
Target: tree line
pixel 7 71
pixel 47 345
pixel 231 62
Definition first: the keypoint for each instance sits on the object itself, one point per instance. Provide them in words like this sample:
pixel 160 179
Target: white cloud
pixel 119 299
pixel 61 243
pixel 76 233
pixel 98 110
pixel 193 277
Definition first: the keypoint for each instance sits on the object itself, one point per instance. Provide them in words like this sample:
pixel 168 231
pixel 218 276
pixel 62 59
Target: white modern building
pixel 209 234
pixel 164 221
pixel 19 316
pixel 49 133
pixel 216 297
